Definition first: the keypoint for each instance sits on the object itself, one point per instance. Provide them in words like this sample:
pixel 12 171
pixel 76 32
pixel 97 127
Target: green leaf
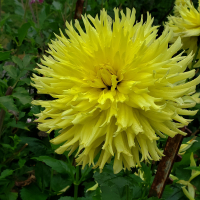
pixel 12 71
pixel 9 196
pixel 135 179
pixel 57 165
pixel 22 95
pixel 24 99
pixel 153 198
pixel 7 146
pixel 34 145
pixel 21 90
pixel 111 193
pixel 15 140
pixel 27 81
pixel 12 196
pixel 18 8
pixel 42 174
pixel 22 31
pixel 196 145
pixel 182 174
pixel 193 168
pixel 57 5
pixel 60 182
pixel 35 110
pixel 147 173
pixel 26 60
pixel 196 183
pixel 19 124
pixel 4 19
pixel 168 191
pixel 66 198
pixel 3 83
pixel 177 193
pixel 32 192
pixel 17 61
pixel 21 115
pixel 4 55
pixel 7 103
pixel 21 162
pixel 5 173
pixel 42 17
pixel 136 192
pixel 72 198
pixel 107 174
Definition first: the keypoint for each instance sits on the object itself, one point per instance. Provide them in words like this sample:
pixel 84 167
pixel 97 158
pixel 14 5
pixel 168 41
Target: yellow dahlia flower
pixel 117 89
pixel 186 24
pixel 177 2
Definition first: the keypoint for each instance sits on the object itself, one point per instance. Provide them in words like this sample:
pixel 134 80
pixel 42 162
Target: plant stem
pixel 25 10
pixel 196 54
pixel 37 14
pixel 70 168
pixel 127 192
pixel 50 183
pixel 76 183
pixel 32 12
pixel 15 154
pixel 127 187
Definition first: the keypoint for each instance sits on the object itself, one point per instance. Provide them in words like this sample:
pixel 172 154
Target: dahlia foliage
pixel 190 191
pixel 117 89
pixel 186 24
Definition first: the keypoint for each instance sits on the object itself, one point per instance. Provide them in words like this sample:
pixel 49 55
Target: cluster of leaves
pixel 29 168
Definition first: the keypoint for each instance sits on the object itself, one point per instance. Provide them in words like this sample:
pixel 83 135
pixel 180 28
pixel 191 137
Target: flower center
pixel 108 77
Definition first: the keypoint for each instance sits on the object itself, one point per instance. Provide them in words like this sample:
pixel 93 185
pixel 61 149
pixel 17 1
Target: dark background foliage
pixel 29 168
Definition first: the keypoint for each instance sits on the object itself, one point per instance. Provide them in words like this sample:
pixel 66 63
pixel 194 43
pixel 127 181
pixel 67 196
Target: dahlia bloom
pixel 117 89
pixel 177 2
pixel 186 24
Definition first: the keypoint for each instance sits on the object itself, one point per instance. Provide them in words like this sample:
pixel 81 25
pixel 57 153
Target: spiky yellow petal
pixel 186 24
pixel 116 89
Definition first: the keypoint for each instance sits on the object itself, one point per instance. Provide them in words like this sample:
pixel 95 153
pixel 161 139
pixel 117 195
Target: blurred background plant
pixel 29 168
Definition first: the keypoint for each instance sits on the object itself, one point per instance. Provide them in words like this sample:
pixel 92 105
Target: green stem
pixel 32 12
pixel 50 183
pixel 76 183
pixel 37 14
pixel 127 187
pixel 196 54
pixel 25 10
pixel 14 155
pixel 127 192
pixel 83 175
pixel 50 179
pixel 70 167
